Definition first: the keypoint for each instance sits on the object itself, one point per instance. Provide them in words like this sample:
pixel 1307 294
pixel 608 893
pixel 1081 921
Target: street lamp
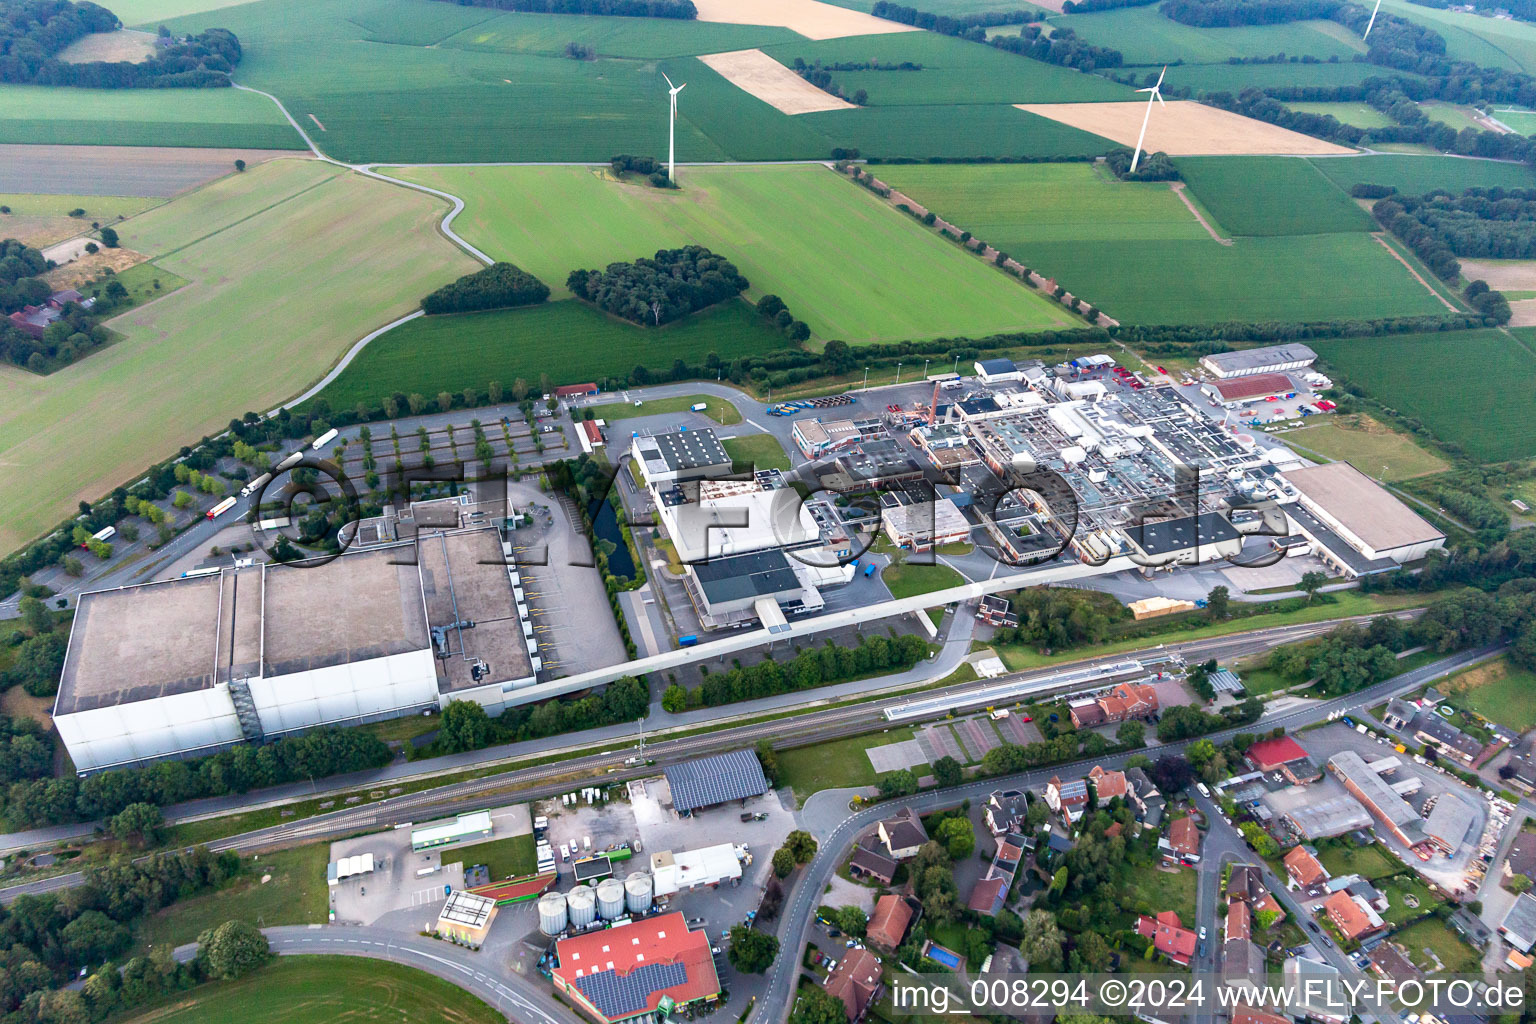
pixel 898 373
pixel 925 367
pixel 957 364
pixel 866 379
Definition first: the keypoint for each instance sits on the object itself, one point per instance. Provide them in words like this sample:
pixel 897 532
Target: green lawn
pixel 1491 414
pixel 1146 36
pixel 1498 690
pixel 1239 192
pixel 296 894
pixel 1397 889
pixel 800 232
pixel 1167 890
pixel 337 253
pixel 1370 862
pixel 1365 442
pixel 1359 114
pixel 1522 121
pixel 1456 956
pixel 147 281
pixel 322 990
pixel 719 409
pixel 512 857
pixel 568 340
pixel 142 117
pixel 908 580
pixel 1457 117
pixel 763 451
pixel 1415 175
pixel 835 763
pixel 1136 251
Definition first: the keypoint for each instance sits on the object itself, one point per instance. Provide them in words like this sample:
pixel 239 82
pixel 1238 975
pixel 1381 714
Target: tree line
pixel 817 666
pixel 1481 223
pixel 498 286
pixel 679 9
pixel 1089 6
pixel 1229 13
pixel 1153 166
pixel 1062 46
pixel 649 166
pixel 669 286
pixel 466 726
pixel 314 755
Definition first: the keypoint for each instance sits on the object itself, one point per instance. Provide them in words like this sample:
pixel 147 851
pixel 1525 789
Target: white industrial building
pixel 715 518
pixel 1354 523
pixel 693 869
pixel 185 667
pixel 681 455
pixel 1269 359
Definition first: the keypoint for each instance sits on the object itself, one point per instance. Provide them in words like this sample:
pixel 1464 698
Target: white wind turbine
pixel 1372 22
pixel 1157 94
pixel 672 130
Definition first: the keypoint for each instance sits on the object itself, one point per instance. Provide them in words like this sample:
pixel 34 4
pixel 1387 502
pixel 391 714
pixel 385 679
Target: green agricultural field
pixel 1490 412
pixel 568 340
pixel 848 264
pixel 1145 36
pixel 134 13
pixel 1239 192
pixel 1364 442
pixel 762 451
pixel 1361 115
pixel 643 38
pixel 41 220
pixel 290 263
pixel 323 990
pixel 1234 78
pixel 959 131
pixel 1498 690
pixel 1491 42
pixel 954 72
pixel 1450 114
pixel 142 117
pixel 1137 252
pixel 952 8
pixel 1414 175
pixel 1522 121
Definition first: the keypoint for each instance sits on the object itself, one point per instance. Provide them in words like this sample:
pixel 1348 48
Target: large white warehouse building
pixel 185 667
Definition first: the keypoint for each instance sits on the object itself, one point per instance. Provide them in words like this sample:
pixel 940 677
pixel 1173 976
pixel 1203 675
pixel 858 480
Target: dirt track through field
pixel 1185 128
pixel 121 170
pixel 1178 190
pixel 755 72
pixel 1416 275
pixel 810 18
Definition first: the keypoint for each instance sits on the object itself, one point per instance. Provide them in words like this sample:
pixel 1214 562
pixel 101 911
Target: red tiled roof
pixel 1346 914
pixel 985 894
pixel 1248 1015
pixel 888 926
pixel 1268 754
pixel 1304 867
pixel 1107 785
pixel 1113 830
pixel 574 389
pixel 855 981
pixel 1258 385
pixel 1168 935
pixel 1184 836
pixel 663 939
pixel 1238 925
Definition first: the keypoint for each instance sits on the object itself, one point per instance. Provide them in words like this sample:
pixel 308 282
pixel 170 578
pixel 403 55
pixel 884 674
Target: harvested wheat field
pixel 755 72
pixel 156 171
pixel 1185 128
pixel 89 266
pixel 1505 275
pixel 1522 313
pixel 124 45
pixel 810 18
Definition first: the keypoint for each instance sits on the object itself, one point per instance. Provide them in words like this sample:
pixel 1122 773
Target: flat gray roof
pixel 1450 820
pixel 682 450
pixel 364 604
pixel 1362 505
pixel 1167 536
pixel 473 563
pixel 1386 801
pixel 1251 360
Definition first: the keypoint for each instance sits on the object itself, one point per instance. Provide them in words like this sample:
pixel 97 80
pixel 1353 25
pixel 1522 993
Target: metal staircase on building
pixel 245 708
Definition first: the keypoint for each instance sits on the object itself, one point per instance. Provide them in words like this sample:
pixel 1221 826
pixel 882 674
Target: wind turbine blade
pixel 1164 72
pixel 1146 90
pixel 669 81
pixel 1160 101
pixel 681 88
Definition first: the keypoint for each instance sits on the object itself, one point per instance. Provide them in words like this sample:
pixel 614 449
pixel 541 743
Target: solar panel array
pixel 734 775
pixel 623 995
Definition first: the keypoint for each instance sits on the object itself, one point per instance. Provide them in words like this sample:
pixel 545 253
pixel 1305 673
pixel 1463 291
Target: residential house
pixel 1068 799
pixel 1306 871
pixel 892 920
pixel 1430 729
pixel 856 981
pixel 996 611
pixel 1521 770
pixel 1169 936
pixel 1145 800
pixel 1107 785
pixel 1239 922
pixel 870 862
pixel 1352 916
pixel 1246 883
pixel 903 834
pixel 1182 843
pixel 1315 991
pixel 1388 961
pixel 991 892
pixel 1242 1014
pixel 1521 862
pixel 1119 703
pixel 1519 925
pixel 1006 811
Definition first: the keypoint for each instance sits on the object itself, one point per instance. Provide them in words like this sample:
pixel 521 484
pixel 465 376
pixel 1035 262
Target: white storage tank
pixel 552 913
pixel 637 892
pixel 581 904
pixel 610 898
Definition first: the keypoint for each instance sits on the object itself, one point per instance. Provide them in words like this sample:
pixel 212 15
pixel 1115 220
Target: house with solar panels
pixel 712 781
pixel 637 970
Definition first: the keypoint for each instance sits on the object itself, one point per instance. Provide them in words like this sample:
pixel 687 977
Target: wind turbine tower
pixel 1157 95
pixel 672 129
pixel 1371 24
